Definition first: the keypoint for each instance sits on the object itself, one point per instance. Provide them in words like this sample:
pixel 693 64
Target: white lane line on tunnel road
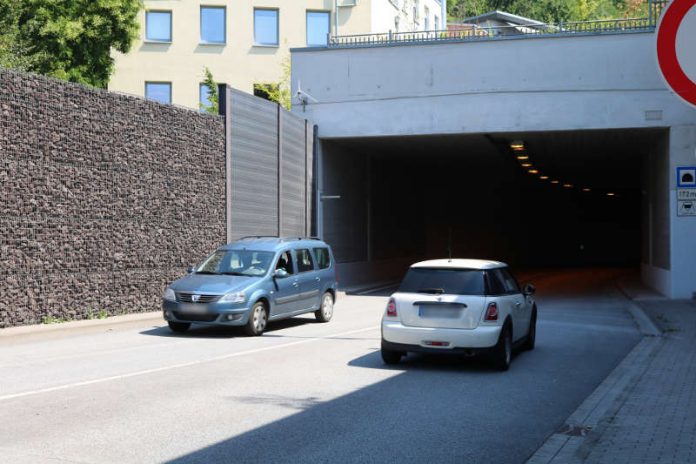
pixel 182 365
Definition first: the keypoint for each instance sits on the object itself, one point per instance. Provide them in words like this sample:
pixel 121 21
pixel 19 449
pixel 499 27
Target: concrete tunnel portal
pixel 536 199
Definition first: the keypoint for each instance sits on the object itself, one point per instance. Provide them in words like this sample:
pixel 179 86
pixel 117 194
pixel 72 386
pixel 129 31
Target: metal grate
pixel 194 317
pixel 183 297
pixel 477 33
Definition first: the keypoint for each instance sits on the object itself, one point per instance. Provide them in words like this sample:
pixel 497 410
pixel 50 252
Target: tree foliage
pixel 70 40
pixel 213 96
pixel 552 11
pixel 279 92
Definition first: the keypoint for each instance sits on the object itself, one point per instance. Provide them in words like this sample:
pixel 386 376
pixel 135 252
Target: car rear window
pixel 449 281
pixel 323 258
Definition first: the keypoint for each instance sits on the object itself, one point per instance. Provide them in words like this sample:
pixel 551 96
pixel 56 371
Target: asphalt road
pixel 304 392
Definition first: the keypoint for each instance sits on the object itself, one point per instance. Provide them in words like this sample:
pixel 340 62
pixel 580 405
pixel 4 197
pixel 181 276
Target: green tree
pixel 70 40
pixel 552 11
pixel 279 92
pixel 213 95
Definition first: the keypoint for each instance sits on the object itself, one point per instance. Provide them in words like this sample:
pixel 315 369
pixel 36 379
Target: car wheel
pixel 502 353
pixel 258 318
pixel 178 327
pixel 391 357
pixel 324 313
pixel 530 341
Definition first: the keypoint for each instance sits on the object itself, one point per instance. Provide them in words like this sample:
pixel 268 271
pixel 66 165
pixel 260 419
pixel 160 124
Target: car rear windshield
pixel 449 281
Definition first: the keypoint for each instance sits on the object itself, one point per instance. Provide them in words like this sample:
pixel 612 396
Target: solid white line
pixel 178 366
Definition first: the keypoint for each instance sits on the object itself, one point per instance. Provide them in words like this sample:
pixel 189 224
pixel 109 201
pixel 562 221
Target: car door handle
pixel 317 279
pixel 518 304
pixel 295 284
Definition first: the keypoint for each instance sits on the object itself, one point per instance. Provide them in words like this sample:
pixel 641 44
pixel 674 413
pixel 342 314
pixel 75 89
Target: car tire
pixel 391 357
pixel 325 311
pixel 502 352
pixel 258 319
pixel 530 341
pixel 179 327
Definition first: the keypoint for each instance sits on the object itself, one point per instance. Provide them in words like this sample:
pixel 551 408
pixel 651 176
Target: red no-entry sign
pixel 676 48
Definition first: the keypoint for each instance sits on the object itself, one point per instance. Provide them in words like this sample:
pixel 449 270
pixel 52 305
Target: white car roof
pixel 461 264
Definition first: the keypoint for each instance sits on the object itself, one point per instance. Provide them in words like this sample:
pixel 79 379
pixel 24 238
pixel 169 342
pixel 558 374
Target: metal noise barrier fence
pixel 270 161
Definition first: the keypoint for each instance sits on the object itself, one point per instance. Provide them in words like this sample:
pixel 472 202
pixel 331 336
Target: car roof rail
pixel 257 236
pixel 287 239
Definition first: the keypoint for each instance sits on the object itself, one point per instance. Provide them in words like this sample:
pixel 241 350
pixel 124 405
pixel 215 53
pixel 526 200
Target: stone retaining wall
pixel 104 198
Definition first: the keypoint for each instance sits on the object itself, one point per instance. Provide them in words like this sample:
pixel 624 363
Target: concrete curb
pixel 82 324
pixel 573 442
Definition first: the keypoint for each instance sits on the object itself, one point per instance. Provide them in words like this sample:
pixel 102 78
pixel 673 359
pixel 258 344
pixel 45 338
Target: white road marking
pixel 178 366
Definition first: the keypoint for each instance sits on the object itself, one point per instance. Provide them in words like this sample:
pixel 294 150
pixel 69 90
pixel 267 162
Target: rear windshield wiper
pixel 434 291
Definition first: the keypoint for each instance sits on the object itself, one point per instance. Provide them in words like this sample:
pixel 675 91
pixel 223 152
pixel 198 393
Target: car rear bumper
pixel 426 339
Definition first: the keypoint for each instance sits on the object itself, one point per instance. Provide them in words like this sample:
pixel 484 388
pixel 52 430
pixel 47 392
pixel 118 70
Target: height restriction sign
pixel 676 50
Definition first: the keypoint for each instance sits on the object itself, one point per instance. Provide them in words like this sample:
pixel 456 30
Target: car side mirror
pixel 190 269
pixel 280 274
pixel 529 289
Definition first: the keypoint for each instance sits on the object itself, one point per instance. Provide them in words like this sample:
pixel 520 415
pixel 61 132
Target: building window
pixel 159 91
pixel 158 26
pixel 318 26
pixel 213 24
pixel 437 23
pixel 265 27
pixel 426 19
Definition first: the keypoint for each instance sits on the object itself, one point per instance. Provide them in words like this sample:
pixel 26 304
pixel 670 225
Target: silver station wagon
pixel 253 281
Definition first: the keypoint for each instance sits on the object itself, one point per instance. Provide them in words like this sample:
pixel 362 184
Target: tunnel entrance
pixel 541 199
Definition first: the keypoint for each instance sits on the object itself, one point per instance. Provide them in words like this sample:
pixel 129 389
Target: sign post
pixel 676 36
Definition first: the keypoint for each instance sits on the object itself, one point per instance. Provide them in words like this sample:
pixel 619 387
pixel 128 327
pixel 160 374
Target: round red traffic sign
pixel 676 53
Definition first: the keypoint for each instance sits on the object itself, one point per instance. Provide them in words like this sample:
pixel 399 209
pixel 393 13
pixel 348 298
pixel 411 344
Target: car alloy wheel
pixel 257 319
pixel 325 312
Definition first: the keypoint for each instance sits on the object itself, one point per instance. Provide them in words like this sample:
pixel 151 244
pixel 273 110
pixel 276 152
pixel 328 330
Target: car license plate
pixel 439 312
pixel 193 308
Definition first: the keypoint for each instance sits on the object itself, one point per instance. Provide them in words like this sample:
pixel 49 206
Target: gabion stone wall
pixel 104 198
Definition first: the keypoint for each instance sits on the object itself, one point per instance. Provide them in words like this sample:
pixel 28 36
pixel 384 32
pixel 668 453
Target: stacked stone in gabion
pixel 104 198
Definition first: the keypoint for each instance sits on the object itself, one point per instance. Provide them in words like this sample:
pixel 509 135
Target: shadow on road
pixel 205 331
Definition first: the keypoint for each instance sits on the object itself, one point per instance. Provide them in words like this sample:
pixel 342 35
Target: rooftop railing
pixel 471 32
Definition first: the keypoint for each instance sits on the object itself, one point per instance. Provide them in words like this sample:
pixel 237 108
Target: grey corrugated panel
pixel 254 166
pixel 309 179
pixel 293 158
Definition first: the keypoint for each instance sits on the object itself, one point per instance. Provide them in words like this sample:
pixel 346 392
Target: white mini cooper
pixel 459 306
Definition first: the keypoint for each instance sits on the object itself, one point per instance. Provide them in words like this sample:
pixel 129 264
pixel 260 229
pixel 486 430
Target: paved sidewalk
pixel 645 411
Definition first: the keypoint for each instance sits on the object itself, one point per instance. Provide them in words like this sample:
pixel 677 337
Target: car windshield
pixel 237 262
pixel 439 281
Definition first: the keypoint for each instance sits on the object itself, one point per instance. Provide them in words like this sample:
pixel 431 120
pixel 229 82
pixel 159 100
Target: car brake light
pixel 391 308
pixel 491 312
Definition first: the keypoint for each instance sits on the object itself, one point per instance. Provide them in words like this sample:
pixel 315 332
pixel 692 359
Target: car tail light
pixel 391 308
pixel 491 312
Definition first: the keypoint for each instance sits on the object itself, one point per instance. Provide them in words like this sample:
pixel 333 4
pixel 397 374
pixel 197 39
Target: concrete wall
pixel 515 86
pixel 541 84
pixel 104 199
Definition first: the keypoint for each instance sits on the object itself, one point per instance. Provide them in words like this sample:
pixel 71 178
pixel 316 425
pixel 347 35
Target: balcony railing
pixel 471 32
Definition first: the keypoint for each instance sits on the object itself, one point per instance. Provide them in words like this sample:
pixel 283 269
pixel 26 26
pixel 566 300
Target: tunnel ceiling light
pixel 526 165
pixel 517 145
pixel 533 171
pixel 586 189
pixel 544 177
pixel 522 157
pixel 568 186
pixel 611 194
pixel 555 182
